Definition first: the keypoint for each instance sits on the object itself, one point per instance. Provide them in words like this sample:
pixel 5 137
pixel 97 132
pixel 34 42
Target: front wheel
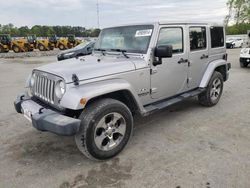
pixel 213 91
pixel 243 64
pixel 106 128
pixel 16 49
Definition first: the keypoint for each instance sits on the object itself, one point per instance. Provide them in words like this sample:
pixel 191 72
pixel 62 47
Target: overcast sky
pixel 112 12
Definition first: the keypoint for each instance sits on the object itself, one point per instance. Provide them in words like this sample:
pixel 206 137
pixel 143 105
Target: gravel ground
pixel 35 53
pixel 185 146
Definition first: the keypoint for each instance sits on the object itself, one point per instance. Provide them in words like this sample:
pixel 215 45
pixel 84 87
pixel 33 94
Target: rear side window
pixel 171 36
pixel 198 38
pixel 217 37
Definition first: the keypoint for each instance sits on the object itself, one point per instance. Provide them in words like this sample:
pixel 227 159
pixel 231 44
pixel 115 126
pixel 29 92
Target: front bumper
pixel 245 60
pixel 45 119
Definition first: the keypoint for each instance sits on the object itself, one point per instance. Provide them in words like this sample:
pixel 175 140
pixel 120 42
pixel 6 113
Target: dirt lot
pixel 185 146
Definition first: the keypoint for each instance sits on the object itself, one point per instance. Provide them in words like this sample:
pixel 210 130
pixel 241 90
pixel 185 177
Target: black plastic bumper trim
pixel 49 120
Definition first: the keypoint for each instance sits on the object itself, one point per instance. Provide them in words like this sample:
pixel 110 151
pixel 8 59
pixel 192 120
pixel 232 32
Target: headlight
pixel 32 80
pixel 60 89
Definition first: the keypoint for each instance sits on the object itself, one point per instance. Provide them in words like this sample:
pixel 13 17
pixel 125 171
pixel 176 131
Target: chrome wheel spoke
pixel 121 129
pixel 99 140
pixel 111 143
pixel 216 89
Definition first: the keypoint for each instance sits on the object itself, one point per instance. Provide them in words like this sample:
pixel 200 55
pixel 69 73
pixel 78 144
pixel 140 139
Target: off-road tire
pixel 61 47
pixel 205 97
pixel 1 49
pixel 41 47
pixel 243 64
pixel 16 49
pixel 90 118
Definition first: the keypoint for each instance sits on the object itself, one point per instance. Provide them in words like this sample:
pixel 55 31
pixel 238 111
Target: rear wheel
pixel 213 91
pixel 106 128
pixel 16 49
pixel 243 64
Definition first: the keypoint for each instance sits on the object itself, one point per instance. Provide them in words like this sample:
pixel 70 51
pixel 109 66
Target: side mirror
pixel 163 52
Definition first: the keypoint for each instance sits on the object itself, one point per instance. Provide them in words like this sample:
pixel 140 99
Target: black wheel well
pixel 123 96
pixel 223 70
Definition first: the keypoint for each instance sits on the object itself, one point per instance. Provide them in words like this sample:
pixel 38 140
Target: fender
pixel 210 70
pixel 74 94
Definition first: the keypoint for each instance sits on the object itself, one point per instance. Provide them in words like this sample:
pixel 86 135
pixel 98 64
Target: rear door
pixel 199 54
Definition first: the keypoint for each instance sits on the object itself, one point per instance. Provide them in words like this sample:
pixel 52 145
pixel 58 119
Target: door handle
pixel 204 56
pixel 182 61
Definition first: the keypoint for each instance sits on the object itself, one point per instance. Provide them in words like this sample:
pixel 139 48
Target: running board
pixel 151 108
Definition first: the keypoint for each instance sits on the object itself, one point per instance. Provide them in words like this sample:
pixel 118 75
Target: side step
pixel 170 101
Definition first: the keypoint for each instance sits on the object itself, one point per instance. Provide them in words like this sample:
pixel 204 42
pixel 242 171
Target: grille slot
pixel 44 88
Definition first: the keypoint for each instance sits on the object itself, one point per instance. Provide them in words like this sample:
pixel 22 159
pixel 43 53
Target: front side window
pixel 173 37
pixel 217 37
pixel 134 39
pixel 198 39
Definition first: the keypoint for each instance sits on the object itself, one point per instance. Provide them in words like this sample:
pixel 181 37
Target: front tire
pixel 41 47
pixel 106 128
pixel 243 64
pixel 213 92
pixel 16 49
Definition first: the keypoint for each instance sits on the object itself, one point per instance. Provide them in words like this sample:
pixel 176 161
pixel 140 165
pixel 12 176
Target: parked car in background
pixel 80 50
pixel 245 57
pixel 234 43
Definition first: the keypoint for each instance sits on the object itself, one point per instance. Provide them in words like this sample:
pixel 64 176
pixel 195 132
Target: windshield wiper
pixel 100 50
pixel 122 51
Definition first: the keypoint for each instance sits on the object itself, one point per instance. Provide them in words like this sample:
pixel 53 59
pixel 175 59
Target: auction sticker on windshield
pixel 143 33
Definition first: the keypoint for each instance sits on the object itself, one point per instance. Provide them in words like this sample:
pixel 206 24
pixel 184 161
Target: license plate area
pixel 29 108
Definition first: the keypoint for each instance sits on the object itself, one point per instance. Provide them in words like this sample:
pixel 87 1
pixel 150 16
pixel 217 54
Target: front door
pixel 170 78
pixel 198 56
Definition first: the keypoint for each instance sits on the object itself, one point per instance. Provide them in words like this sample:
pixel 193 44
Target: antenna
pixel 98 14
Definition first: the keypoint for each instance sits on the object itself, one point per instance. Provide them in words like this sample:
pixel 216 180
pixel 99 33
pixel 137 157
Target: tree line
pixel 239 15
pixel 44 31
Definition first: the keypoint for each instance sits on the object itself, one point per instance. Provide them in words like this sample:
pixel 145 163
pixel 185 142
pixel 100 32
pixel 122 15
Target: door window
pixel 198 39
pixel 171 36
pixel 217 37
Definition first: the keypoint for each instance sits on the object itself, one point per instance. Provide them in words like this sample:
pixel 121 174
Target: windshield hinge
pixel 153 70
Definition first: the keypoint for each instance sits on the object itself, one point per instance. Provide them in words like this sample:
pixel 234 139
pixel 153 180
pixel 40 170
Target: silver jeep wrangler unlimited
pixel 134 69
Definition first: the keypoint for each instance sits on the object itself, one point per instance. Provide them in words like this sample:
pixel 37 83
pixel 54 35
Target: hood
pixel 68 51
pixel 89 67
pixel 245 52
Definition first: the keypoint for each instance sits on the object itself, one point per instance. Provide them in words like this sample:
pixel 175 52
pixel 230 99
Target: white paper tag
pixel 143 33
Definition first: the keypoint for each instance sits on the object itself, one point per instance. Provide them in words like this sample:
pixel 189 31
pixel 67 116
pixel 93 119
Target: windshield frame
pixel 135 51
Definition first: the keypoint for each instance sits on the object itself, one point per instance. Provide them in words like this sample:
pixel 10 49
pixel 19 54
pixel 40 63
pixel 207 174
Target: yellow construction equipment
pixel 40 44
pixel 21 45
pixel 67 43
pixel 5 43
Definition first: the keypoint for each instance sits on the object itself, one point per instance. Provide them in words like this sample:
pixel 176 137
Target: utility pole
pixel 98 14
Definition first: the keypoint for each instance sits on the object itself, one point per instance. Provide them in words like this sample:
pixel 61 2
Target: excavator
pixel 5 43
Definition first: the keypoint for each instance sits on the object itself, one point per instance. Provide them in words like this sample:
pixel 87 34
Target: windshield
pixel 134 39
